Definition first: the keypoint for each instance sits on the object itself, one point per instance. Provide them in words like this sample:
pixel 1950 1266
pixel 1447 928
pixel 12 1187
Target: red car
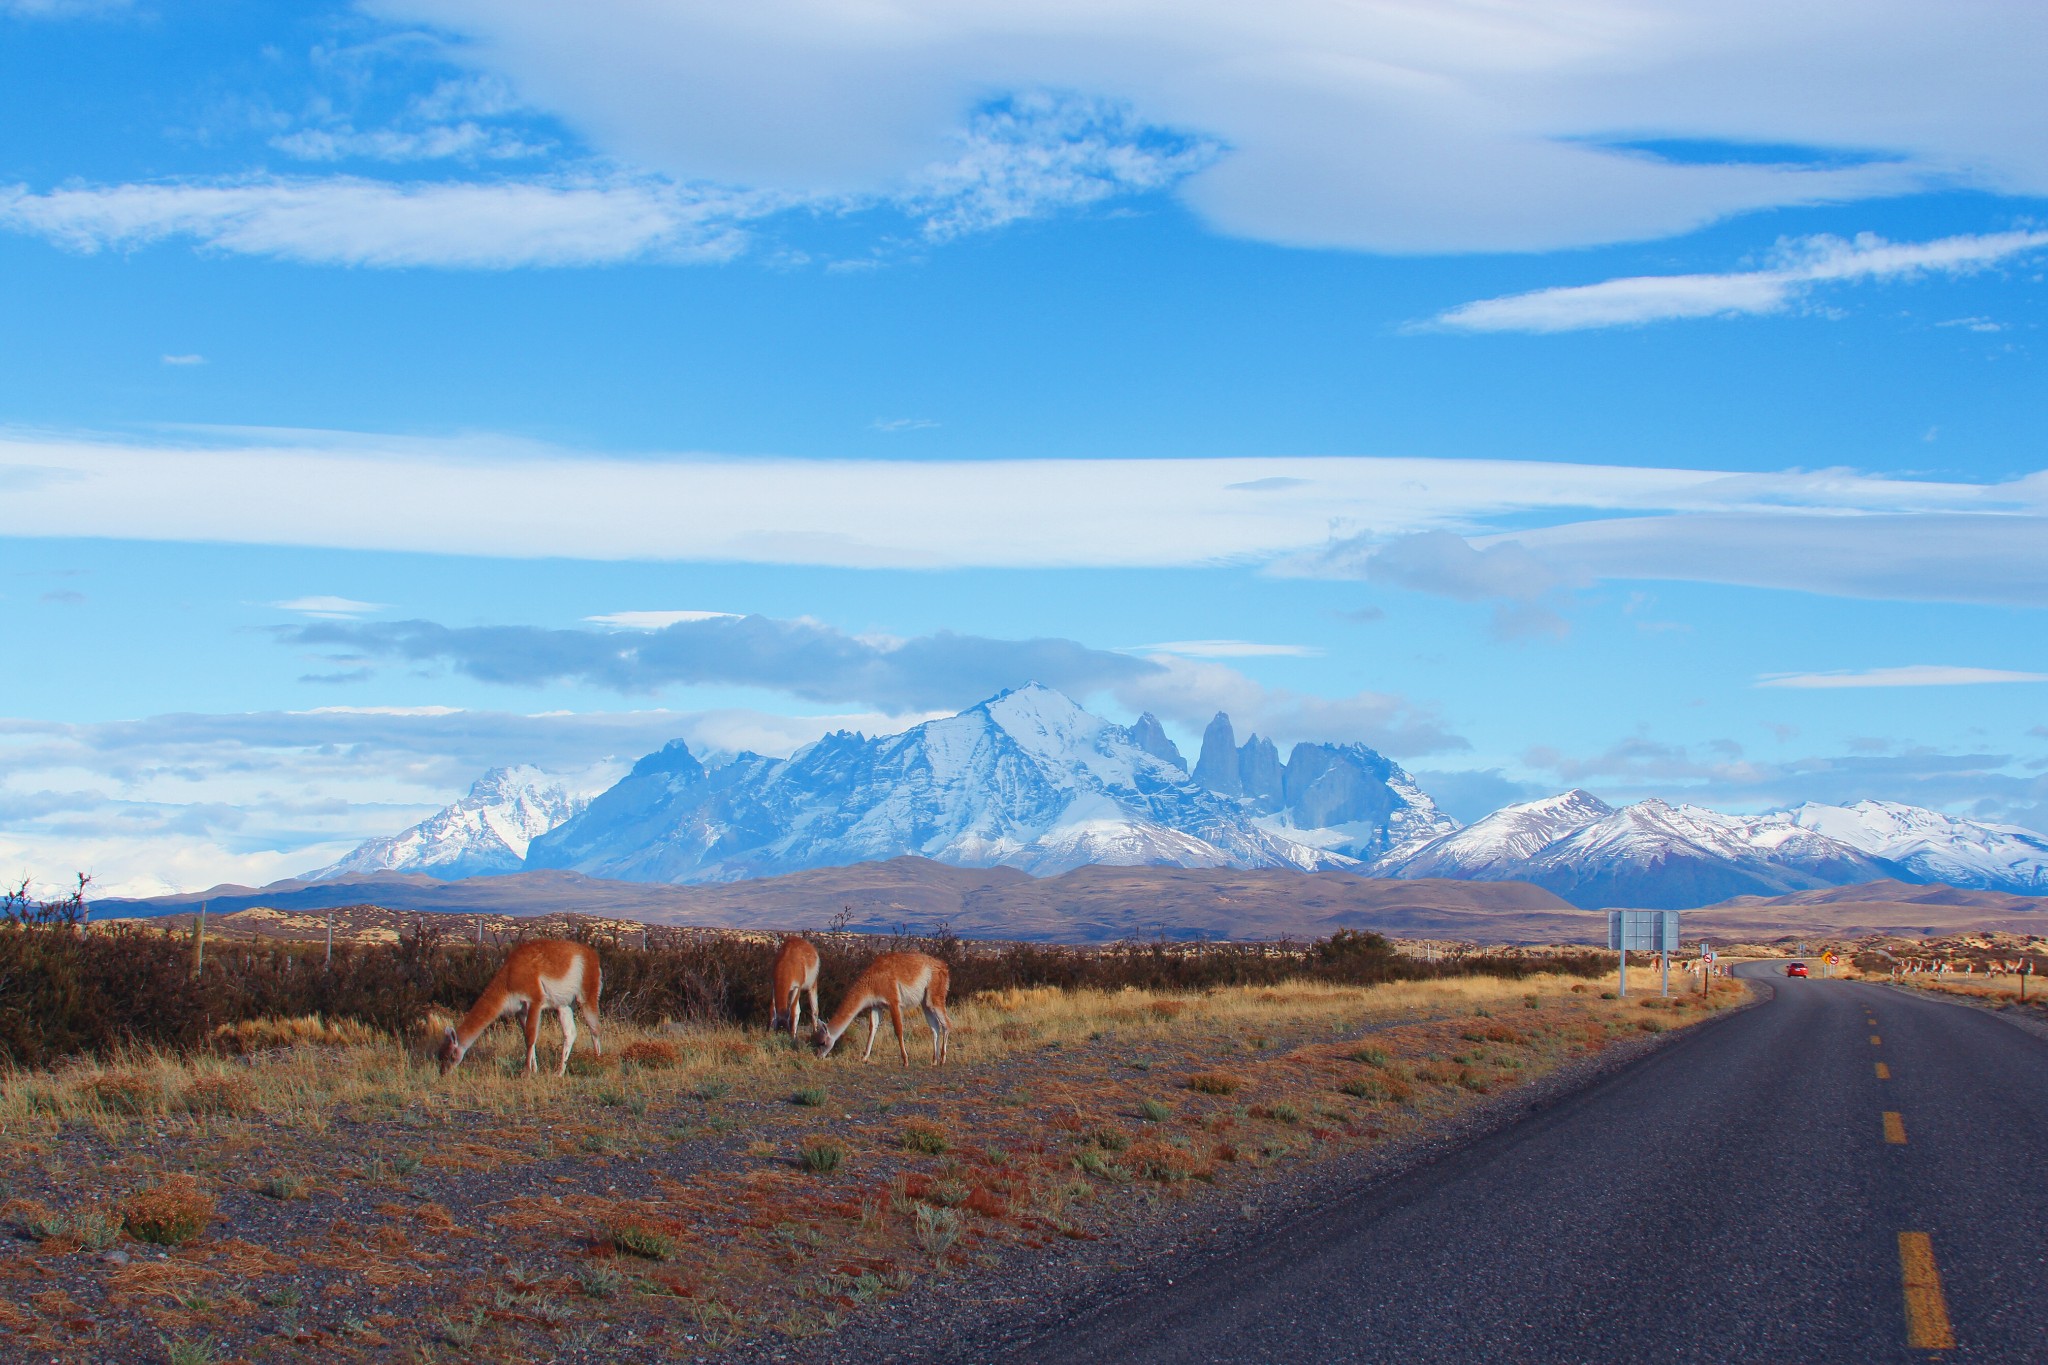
pixel 1795 969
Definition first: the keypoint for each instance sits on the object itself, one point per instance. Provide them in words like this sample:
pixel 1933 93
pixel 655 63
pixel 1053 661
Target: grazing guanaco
pixel 893 982
pixel 545 974
pixel 796 973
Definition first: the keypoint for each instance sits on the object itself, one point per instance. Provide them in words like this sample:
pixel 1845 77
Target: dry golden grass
pixel 330 1069
pixel 673 1175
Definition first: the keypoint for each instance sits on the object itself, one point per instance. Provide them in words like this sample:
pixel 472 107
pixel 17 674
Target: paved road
pixel 1733 1197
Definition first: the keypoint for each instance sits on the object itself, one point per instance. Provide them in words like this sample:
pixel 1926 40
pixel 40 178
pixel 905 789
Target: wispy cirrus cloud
pixel 1228 649
pixel 656 620
pixel 1798 269
pixel 1021 158
pixel 325 606
pixel 349 220
pixel 1909 675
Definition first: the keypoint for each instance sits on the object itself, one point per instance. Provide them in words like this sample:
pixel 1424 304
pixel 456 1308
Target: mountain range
pixel 1029 780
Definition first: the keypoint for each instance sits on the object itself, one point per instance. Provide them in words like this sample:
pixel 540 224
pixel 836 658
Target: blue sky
pixel 1579 395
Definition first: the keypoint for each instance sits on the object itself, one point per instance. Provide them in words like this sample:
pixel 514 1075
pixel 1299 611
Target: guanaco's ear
pixel 450 1036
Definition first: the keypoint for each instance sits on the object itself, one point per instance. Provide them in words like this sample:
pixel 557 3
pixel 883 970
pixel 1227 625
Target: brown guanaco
pixel 892 982
pixel 545 974
pixel 796 973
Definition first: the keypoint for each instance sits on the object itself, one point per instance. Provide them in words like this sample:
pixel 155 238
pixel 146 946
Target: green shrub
pixel 822 1156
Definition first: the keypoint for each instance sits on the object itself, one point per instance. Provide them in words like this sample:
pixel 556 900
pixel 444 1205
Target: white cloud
pixel 464 140
pixel 184 360
pixel 1328 516
pixel 1228 649
pixel 1993 556
pixel 1801 265
pixel 329 608
pixel 346 220
pixel 1406 126
pixel 655 620
pixel 1038 154
pixel 1911 675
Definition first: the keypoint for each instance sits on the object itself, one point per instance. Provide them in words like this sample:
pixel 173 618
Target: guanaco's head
pixel 822 1040
pixel 451 1052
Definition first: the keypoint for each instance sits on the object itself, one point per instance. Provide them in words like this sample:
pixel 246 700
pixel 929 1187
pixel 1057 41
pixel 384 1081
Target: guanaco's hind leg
pixel 590 1021
pixel 942 1028
pixel 896 1018
pixel 567 1014
pixel 874 1027
pixel 529 1015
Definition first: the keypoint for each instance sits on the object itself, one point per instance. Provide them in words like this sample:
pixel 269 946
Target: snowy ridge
pixel 1650 854
pixel 1495 848
pixel 1935 847
pixel 487 831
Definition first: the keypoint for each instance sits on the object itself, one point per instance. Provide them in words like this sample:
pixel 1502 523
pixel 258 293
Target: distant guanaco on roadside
pixel 893 982
pixel 796 973
pixel 545 974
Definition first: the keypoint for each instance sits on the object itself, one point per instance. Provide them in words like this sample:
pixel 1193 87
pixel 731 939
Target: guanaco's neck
pixel 488 1009
pixel 857 1002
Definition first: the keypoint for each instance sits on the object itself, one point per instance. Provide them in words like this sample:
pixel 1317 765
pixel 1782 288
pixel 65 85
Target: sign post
pixel 1646 931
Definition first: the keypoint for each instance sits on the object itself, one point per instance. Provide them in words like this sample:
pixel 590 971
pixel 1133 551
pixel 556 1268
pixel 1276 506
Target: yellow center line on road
pixel 1884 1073
pixel 1876 1041
pixel 1894 1128
pixel 1927 1325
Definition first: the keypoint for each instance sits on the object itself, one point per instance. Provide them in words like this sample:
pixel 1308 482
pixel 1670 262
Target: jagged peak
pixel 674 756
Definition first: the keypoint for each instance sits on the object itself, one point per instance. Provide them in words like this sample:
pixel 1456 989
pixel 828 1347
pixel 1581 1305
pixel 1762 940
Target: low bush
pixel 170 1214
pixel 651 1054
pixel 1215 1083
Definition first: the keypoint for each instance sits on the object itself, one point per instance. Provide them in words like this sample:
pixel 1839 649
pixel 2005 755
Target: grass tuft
pixel 810 1096
pixel 170 1214
pixel 651 1054
pixel 937 1230
pixel 922 1135
pixel 822 1156
pixel 281 1187
pixel 1155 1110
pixel 1215 1083
pixel 220 1095
pixel 637 1237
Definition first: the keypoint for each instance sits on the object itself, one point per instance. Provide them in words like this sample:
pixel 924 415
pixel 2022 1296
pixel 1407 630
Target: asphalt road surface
pixel 1740 1195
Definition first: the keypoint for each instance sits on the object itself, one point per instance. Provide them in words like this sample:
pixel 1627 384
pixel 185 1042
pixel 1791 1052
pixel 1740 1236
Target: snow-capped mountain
pixel 1934 847
pixel 1345 798
pixel 1651 854
pixel 1497 848
pixel 487 831
pixel 1672 857
pixel 1026 779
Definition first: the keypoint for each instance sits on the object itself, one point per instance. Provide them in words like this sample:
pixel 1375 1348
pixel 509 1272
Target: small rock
pixel 115 1257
